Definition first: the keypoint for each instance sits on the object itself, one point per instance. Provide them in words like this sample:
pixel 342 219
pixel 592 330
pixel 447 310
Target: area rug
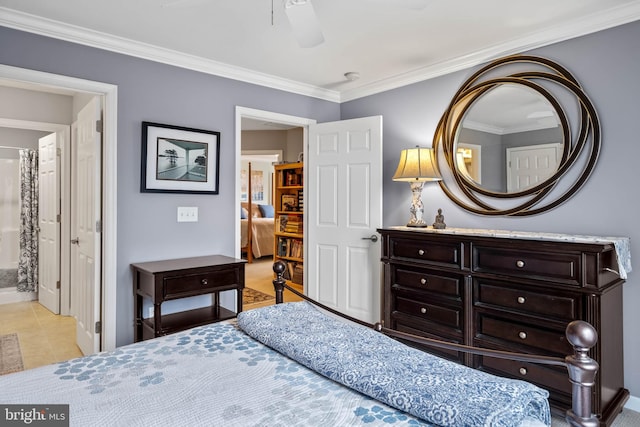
pixel 10 354
pixel 251 296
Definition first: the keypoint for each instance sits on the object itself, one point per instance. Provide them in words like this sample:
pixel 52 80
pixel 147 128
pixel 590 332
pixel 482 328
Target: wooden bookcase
pixel 288 222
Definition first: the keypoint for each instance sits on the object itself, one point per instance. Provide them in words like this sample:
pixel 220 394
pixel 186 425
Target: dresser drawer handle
pixel 519 263
pixel 421 252
pixel 522 335
pixel 521 300
pixel 523 371
pixel 423 281
pixel 204 282
pixel 423 310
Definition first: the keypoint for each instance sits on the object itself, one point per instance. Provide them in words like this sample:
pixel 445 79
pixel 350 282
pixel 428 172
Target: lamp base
pixel 416 210
pixel 417 224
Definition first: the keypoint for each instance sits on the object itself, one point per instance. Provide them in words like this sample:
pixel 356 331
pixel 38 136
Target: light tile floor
pixel 45 338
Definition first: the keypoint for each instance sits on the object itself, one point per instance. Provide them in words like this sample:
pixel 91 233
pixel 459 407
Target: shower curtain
pixel 28 262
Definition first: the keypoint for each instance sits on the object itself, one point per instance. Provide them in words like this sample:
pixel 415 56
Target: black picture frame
pixel 177 159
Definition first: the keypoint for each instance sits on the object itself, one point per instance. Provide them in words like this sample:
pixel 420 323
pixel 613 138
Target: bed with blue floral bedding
pixel 285 365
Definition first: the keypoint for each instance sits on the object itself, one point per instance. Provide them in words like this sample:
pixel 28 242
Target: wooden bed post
pixel 582 373
pixel 249 246
pixel 278 283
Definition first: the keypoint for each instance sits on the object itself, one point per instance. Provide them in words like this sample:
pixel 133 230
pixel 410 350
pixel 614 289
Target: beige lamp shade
pixel 416 164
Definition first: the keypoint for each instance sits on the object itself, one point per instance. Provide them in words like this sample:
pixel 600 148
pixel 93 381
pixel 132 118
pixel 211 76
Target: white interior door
pixel 85 227
pixel 528 166
pixel 49 223
pixel 344 175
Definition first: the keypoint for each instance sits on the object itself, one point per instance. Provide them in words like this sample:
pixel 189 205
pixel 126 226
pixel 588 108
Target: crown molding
pixel 569 30
pixel 71 33
pixel 579 27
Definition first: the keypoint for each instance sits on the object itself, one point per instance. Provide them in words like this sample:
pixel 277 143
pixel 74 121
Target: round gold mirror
pixel 511 134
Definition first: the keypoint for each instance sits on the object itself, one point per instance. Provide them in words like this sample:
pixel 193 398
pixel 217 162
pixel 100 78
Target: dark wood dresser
pixel 160 281
pixel 513 292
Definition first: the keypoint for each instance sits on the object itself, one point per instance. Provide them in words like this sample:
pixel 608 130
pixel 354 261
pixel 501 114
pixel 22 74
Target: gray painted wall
pixel 149 91
pixel 607 64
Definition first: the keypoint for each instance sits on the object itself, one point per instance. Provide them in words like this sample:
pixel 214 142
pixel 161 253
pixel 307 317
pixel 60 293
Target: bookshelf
pixel 289 219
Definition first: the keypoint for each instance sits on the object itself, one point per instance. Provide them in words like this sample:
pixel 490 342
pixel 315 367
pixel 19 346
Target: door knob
pixel 75 241
pixel 373 238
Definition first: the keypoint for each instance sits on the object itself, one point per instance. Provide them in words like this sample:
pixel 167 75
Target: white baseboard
pixel 633 403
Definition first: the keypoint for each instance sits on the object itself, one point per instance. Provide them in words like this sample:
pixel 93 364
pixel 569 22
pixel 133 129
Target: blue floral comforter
pixel 212 376
pixel 436 390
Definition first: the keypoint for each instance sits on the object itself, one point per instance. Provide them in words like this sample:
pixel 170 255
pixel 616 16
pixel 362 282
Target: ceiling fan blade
pixel 304 22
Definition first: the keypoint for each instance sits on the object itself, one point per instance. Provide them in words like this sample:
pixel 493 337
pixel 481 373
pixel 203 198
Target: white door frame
pixel 109 95
pixel 270 116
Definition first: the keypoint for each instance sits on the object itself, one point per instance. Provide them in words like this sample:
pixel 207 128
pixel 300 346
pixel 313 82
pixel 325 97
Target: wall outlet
pixel 187 214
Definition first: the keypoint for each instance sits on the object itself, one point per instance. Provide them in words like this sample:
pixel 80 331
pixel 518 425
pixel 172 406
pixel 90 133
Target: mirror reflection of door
pixel 528 166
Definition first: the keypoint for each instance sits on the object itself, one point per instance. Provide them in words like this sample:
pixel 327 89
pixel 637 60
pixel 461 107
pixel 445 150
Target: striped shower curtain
pixel 28 261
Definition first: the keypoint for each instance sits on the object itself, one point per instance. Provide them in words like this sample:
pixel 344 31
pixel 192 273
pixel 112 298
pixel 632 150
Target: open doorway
pixel 106 290
pixel 263 139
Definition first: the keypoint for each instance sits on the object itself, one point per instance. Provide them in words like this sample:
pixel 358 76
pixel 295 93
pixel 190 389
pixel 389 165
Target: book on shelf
pixel 300 200
pixel 292 177
pixel 289 202
pixel 290 247
pixel 298 273
pixel 294 271
pixel 290 224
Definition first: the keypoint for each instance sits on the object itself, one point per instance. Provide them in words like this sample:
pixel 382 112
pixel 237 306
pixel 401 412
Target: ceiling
pixel 390 43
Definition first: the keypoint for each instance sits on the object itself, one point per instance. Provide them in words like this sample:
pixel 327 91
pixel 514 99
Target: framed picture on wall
pixel 177 159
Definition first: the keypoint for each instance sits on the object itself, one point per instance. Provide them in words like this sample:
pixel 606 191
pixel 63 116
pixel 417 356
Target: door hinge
pixel 58 284
pixel 98 226
pixel 98 327
pixel 58 152
pixel 99 126
pixel 58 218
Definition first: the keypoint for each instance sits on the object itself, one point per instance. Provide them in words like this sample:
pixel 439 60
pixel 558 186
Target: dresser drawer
pixel 428 252
pixel 550 342
pixel 428 311
pixel 560 267
pixel 560 306
pixel 548 377
pixel 408 328
pixel 427 280
pixel 196 284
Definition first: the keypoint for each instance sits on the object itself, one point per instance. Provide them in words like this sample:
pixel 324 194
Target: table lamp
pixel 416 167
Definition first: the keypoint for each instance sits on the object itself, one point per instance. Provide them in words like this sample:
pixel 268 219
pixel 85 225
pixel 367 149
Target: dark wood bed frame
pixel 581 368
pixel 248 248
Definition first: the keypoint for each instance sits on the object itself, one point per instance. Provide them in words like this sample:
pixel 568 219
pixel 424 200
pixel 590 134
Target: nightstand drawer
pixel 426 251
pixel 560 267
pixel 549 341
pixel 196 284
pixel 429 281
pixel 528 302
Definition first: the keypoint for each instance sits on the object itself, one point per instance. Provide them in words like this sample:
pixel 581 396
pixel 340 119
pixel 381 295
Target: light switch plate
pixel 187 214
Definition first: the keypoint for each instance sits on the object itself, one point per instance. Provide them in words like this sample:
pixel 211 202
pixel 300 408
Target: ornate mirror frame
pixel 580 133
